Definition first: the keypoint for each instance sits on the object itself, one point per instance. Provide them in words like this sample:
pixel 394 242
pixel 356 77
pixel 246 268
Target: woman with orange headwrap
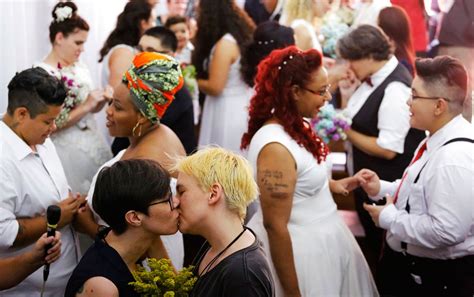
pixel 139 102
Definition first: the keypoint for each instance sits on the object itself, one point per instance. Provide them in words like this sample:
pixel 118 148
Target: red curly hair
pixel 273 97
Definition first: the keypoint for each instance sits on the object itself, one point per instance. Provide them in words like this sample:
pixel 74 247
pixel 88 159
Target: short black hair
pixel 128 185
pixel 35 89
pixel 175 19
pixel 365 41
pixel 166 36
pixel 267 37
pixel 444 76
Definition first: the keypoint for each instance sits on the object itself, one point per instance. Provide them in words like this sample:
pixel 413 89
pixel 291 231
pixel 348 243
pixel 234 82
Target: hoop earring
pixel 135 128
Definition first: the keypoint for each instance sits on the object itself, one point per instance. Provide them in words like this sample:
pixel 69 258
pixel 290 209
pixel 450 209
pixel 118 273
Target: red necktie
pixel 417 157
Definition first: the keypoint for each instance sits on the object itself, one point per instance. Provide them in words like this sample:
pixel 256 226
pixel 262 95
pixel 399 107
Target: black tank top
pixel 101 260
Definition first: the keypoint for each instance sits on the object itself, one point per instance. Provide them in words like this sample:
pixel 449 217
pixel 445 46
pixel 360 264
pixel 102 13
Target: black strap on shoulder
pixel 407 206
pixel 459 139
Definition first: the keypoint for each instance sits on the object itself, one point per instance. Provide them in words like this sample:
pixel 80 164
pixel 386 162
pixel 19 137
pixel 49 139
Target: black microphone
pixel 53 214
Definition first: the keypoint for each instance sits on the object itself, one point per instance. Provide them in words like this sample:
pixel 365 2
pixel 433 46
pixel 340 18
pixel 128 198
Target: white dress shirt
pixel 440 224
pixel 30 182
pixel 393 115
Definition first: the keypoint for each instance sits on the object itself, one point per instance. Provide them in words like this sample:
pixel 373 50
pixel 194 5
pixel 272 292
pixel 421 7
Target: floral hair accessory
pixel 63 13
pixel 153 80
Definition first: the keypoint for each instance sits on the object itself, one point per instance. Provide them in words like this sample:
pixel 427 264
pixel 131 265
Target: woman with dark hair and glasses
pixel 139 103
pixel 134 198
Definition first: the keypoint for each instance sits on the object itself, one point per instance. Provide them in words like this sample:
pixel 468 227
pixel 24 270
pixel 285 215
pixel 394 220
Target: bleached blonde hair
pixel 233 172
pixel 297 9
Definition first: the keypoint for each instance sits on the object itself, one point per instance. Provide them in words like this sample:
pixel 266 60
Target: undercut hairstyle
pixel 166 36
pixel 35 89
pixel 233 172
pixel 364 42
pixel 128 185
pixel 175 19
pixel 445 77
pixel 68 25
pixel 267 37
pixel 128 30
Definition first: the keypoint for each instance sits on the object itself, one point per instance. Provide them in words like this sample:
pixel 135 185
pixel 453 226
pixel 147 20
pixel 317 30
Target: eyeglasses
pixel 319 93
pixel 150 49
pixel 168 199
pixel 413 97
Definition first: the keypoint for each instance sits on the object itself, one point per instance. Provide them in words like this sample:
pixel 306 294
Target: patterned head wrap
pixel 153 80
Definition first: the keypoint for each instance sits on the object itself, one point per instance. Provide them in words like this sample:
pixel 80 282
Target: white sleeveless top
pixel 105 63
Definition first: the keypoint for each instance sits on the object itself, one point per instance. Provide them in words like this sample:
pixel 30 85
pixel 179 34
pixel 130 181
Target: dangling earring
pixel 135 128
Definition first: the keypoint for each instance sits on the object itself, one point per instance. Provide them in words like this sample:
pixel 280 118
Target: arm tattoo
pixel 272 182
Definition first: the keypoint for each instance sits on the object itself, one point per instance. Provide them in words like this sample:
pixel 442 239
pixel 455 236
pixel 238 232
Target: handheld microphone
pixel 53 214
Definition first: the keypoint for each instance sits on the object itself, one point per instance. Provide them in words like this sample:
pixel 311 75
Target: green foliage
pixel 189 74
pixel 160 280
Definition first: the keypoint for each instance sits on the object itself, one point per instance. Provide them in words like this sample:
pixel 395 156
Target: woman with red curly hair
pixel 313 253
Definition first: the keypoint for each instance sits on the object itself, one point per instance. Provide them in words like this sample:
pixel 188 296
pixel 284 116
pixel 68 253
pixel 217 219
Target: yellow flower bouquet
pixel 158 279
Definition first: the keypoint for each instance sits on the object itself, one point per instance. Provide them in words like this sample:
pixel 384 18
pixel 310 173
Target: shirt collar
pixel 380 75
pixel 19 148
pixel 447 132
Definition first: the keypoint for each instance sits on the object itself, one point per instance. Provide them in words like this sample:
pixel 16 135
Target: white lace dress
pixel 225 117
pixel 327 258
pixel 81 148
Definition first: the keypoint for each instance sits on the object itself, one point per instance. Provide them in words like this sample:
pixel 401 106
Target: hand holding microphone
pixel 53 214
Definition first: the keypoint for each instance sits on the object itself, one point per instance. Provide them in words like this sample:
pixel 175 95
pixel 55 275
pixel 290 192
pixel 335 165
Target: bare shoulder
pixel 275 151
pixel 98 287
pixel 161 145
pixel 226 48
pixel 121 52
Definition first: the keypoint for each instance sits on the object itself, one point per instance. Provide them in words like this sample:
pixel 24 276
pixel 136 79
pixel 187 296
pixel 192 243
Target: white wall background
pixel 24 35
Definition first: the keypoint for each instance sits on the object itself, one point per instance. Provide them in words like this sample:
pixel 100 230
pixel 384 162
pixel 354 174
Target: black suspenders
pixel 407 206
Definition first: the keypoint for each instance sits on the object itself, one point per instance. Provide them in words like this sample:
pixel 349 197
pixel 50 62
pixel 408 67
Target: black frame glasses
pixel 414 97
pixel 169 200
pixel 319 93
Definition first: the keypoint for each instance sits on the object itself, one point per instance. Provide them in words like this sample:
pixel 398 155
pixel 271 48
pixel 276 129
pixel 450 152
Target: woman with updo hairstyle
pixel 141 99
pixel 396 25
pixel 119 48
pixel 312 251
pixel 224 30
pixel 80 146
pixel 267 37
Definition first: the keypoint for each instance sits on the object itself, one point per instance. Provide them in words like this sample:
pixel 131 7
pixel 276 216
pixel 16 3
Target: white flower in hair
pixel 63 13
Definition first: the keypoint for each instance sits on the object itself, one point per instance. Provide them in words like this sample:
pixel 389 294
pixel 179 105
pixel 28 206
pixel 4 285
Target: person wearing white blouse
pixel 429 211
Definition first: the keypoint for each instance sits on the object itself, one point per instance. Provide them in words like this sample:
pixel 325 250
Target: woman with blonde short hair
pixel 214 188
